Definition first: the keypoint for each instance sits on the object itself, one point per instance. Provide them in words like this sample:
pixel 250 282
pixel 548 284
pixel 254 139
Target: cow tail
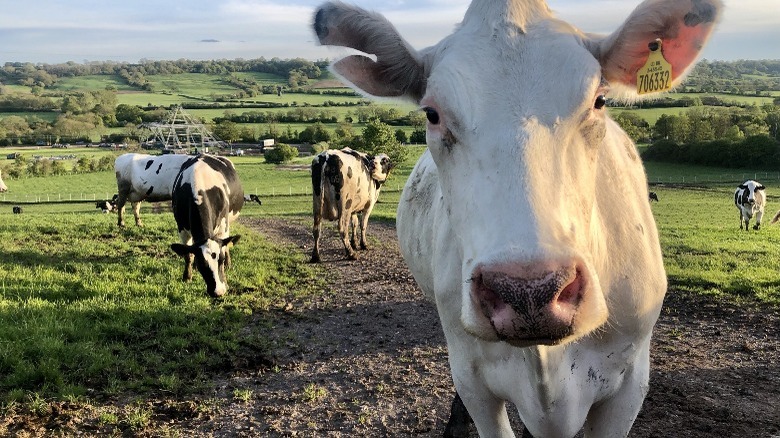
pixel 318 181
pixel 776 218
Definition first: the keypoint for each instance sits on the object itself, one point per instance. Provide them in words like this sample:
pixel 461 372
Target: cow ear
pixel 683 27
pixel 231 240
pixel 181 249
pixel 742 186
pixel 760 187
pixel 398 69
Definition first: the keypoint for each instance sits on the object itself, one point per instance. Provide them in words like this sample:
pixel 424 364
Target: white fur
pixel 523 172
pixel 134 179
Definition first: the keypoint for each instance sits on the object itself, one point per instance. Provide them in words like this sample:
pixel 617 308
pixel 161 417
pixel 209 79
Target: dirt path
pixel 374 349
pixel 366 357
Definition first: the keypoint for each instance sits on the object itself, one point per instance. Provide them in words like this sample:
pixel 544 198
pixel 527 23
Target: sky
pixel 56 31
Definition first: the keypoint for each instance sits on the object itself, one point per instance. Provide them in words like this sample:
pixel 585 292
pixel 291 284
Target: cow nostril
pixel 571 294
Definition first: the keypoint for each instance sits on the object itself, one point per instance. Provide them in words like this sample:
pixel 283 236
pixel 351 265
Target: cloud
pixel 209 40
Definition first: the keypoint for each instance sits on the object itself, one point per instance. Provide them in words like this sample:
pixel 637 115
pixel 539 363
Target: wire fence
pixel 28 198
pixel 737 178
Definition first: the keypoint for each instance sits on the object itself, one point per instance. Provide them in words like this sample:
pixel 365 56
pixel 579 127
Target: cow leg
pixel 315 253
pixel 487 411
pixel 364 226
pixel 344 221
pixel 137 213
pixel 616 415
pixel 759 216
pixel 120 211
pixel 458 424
pixel 353 235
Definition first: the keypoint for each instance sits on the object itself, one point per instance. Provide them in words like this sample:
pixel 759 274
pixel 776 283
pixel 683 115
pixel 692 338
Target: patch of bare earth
pixel 366 357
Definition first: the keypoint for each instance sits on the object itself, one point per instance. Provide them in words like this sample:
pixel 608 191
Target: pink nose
pixel 529 303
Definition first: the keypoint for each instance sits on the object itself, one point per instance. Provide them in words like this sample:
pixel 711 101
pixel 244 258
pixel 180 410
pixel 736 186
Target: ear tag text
pixel 656 75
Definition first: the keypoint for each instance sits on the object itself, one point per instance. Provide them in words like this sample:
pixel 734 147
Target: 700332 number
pixel 657 81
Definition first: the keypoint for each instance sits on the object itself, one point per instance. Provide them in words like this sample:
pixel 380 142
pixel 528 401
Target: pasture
pixel 89 312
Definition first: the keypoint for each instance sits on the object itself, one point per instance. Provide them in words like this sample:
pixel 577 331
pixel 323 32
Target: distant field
pixel 92 83
pixel 47 116
pixel 140 98
pixel 194 85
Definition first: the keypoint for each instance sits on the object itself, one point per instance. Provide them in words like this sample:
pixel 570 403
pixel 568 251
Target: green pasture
pixel 92 83
pixel 87 308
pixel 143 98
pixel 194 85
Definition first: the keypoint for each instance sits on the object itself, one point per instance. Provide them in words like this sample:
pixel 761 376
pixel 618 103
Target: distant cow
pixel 3 187
pixel 106 206
pixel 526 219
pixel 252 198
pixel 17 209
pixel 345 183
pixel 750 198
pixel 141 177
pixel 653 197
pixel 207 196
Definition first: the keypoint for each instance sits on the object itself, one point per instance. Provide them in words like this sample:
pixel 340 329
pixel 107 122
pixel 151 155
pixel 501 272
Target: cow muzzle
pixel 530 303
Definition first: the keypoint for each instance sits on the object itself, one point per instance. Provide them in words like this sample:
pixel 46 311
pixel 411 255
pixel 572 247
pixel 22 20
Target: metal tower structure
pixel 182 131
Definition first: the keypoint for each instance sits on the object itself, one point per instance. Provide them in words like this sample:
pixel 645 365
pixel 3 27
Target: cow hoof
pixel 314 259
pixel 351 257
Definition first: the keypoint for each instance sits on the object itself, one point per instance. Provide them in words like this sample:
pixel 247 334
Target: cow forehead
pixel 545 73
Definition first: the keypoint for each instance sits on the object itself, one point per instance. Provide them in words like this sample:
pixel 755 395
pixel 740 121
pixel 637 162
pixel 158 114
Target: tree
pixel 400 135
pixel 379 138
pixel 227 131
pixel 281 153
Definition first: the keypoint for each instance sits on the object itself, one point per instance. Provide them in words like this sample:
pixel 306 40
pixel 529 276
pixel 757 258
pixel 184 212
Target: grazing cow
pixel 141 177
pixel 526 219
pixel 750 198
pixel 207 196
pixel 106 206
pixel 17 209
pixel 653 197
pixel 345 183
pixel 3 187
pixel 252 198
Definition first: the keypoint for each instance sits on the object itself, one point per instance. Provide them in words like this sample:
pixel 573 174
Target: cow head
pixel 380 167
pixel 210 258
pixel 515 102
pixel 750 190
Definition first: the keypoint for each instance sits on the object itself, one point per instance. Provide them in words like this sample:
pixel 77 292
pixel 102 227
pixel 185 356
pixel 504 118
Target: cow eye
pixel 213 255
pixel 432 115
pixel 601 100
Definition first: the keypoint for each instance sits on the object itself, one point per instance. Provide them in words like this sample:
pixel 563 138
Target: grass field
pixel 87 307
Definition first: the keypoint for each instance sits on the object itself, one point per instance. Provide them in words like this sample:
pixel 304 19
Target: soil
pixel 366 357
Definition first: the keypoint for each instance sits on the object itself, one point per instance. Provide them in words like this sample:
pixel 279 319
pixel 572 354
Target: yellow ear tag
pixel 656 75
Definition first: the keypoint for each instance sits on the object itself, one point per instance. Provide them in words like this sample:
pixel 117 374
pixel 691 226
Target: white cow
pixel 527 219
pixel 750 198
pixel 141 177
pixel 3 187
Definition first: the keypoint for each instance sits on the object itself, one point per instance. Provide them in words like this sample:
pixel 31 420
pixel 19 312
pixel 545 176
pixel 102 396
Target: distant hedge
pixel 758 151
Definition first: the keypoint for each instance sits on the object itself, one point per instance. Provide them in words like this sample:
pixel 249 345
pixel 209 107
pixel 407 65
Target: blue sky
pixel 54 31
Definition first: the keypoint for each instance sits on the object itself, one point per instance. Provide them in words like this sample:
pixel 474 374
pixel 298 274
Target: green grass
pixel 87 307
pixel 84 305
pixel 92 83
pixel 705 251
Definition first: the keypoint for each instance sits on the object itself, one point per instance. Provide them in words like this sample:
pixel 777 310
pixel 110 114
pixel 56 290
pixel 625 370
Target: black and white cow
pixel 141 177
pixel 346 183
pixel 106 206
pixel 207 196
pixel 653 197
pixel 252 198
pixel 17 209
pixel 750 198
